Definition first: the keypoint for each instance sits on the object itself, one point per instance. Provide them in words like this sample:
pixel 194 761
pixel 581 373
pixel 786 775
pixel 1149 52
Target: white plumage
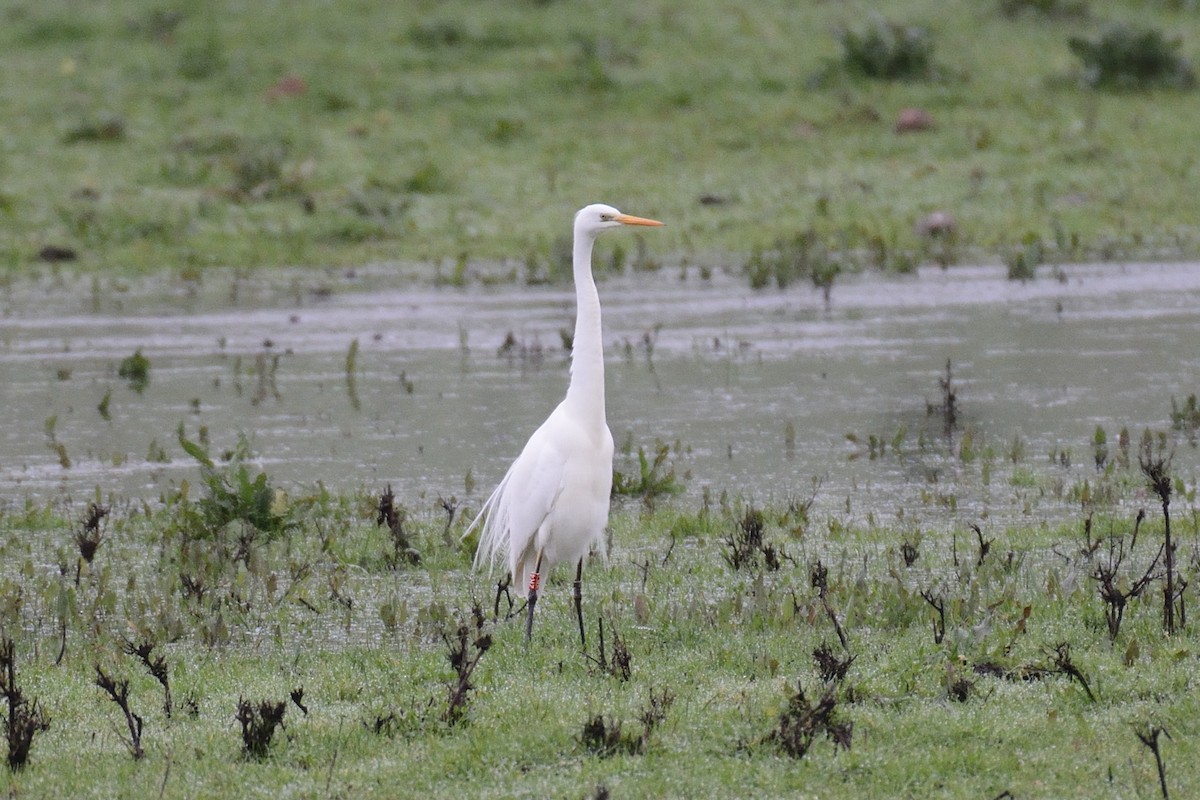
pixel 552 505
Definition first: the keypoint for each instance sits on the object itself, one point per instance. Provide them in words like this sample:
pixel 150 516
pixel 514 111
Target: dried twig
pixel 25 719
pixel 118 692
pixel 1150 739
pixel 157 669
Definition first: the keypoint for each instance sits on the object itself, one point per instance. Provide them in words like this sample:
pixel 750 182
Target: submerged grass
pixel 141 136
pixel 854 667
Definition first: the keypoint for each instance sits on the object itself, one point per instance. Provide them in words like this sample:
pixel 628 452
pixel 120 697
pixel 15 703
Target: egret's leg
pixel 579 602
pixel 535 580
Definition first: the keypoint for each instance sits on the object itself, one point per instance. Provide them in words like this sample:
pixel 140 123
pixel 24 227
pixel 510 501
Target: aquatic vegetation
pixel 654 479
pixel 136 370
pixel 1185 418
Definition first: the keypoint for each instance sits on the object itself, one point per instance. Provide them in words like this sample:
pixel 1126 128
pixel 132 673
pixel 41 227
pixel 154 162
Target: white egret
pixel 552 505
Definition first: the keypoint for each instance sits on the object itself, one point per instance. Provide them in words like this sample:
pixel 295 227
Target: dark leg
pixel 535 581
pixel 502 590
pixel 579 602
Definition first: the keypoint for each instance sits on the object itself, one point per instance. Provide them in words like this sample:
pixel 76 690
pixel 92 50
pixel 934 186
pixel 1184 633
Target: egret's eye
pixel 606 217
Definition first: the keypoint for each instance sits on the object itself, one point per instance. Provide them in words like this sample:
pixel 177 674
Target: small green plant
pixel 435 34
pixel 234 496
pixel 257 167
pixel 202 59
pixel 104 128
pixel 1024 259
pixel 1100 447
pixel 103 406
pixel 1186 418
pixel 653 479
pixel 428 178
pixel 790 259
pixel 889 51
pixel 1132 57
pixel 136 370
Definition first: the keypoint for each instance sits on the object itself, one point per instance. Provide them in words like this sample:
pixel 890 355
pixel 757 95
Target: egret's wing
pixel 522 501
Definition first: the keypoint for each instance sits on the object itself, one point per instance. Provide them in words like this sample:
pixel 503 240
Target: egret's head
pixel 599 217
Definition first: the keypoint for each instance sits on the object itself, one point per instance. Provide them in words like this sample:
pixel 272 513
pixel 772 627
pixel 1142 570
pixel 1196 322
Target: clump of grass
pixel 257 167
pixel 1057 9
pixel 136 370
pixel 434 34
pixel 203 58
pixel 1100 448
pixel 1023 260
pixel 234 496
pixel 428 178
pixel 103 128
pixel 1132 57
pixel 1186 418
pixel 25 719
pixel 259 723
pixel 103 406
pixel 653 479
pixel 890 51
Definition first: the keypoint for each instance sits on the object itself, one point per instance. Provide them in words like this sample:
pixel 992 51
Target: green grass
pixel 324 607
pixel 146 136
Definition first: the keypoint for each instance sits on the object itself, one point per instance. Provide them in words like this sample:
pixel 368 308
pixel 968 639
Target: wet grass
pixel 237 649
pixel 144 137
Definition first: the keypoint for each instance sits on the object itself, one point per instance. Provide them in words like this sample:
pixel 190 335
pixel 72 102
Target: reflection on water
pixel 434 408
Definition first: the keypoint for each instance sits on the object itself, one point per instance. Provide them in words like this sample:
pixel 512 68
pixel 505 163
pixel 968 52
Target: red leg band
pixel 535 580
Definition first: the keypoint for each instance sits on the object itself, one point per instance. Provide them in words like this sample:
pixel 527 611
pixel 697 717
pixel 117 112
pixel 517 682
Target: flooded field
pixel 756 391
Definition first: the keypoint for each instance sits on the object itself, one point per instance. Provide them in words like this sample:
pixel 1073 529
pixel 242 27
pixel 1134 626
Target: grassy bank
pixel 146 136
pixel 933 661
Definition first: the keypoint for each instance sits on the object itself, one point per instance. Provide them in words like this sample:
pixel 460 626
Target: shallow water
pixel 709 364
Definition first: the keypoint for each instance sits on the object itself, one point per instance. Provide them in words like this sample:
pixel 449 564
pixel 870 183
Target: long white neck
pixel 586 392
